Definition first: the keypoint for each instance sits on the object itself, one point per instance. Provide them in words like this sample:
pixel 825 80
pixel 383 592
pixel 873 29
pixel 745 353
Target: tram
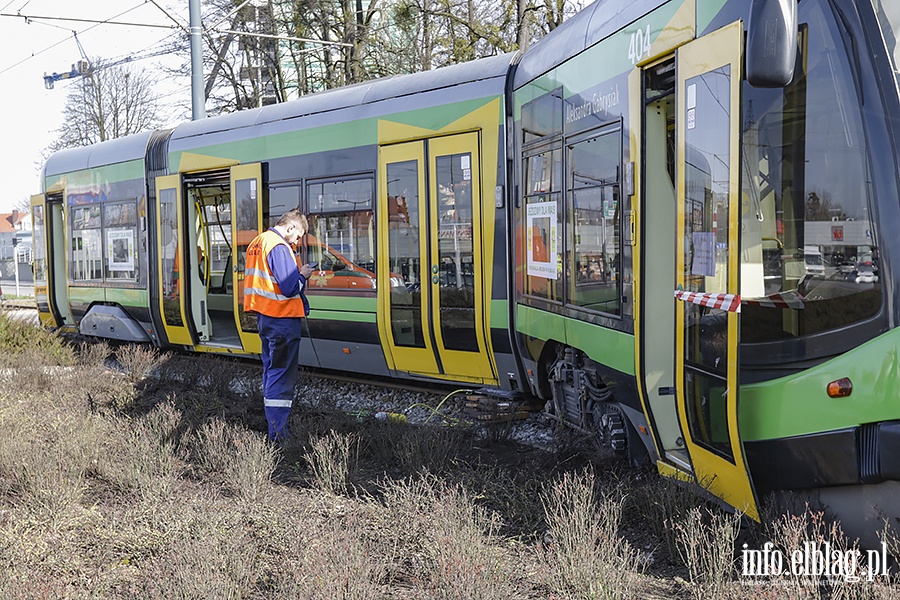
pixel 669 219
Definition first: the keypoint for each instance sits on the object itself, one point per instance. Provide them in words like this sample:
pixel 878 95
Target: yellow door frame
pixel 250 340
pixel 42 288
pixel 176 334
pixel 434 359
pixel 730 481
pixel 457 362
pixel 403 358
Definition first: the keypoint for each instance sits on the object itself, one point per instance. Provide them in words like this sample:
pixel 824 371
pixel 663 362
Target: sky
pixel 30 114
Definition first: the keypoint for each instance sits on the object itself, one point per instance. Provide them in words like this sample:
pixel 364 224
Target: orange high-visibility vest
pixel 261 292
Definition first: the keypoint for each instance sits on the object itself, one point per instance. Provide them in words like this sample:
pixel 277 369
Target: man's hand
pixel 306 270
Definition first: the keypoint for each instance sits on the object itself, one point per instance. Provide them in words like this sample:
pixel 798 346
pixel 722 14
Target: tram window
pixel 456 251
pixel 809 256
pixel 281 200
pixel 86 253
pixel 342 234
pixel 594 166
pixel 120 232
pixel 404 253
pixel 543 225
pixel 40 251
pixel 542 117
pixel 544 172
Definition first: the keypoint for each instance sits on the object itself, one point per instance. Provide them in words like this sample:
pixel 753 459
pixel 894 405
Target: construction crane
pixel 80 69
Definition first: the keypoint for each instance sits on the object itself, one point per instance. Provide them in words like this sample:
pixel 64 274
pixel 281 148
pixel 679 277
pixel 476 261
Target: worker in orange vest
pixel 274 288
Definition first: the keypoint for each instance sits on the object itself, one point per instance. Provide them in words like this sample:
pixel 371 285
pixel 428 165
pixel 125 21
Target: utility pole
pixel 198 99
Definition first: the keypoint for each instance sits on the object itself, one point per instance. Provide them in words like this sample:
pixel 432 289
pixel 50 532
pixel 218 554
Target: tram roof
pixel 123 149
pixel 576 34
pixel 369 92
pixel 134 147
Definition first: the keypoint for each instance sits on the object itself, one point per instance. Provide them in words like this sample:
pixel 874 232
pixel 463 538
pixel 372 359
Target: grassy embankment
pixel 113 484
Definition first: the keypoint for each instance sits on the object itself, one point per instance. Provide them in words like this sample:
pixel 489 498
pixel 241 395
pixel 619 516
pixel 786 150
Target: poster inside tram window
pixel 542 249
pixel 120 249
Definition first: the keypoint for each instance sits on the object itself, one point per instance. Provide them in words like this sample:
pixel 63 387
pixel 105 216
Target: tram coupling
pixel 494 405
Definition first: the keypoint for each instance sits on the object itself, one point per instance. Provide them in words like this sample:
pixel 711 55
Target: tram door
pixel 246 224
pixel 430 286
pixel 49 261
pixel 170 254
pixel 707 130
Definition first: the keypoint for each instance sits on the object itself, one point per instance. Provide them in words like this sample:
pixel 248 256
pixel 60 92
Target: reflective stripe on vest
pixel 261 291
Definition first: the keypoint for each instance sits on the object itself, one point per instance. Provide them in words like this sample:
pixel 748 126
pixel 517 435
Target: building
pixel 15 240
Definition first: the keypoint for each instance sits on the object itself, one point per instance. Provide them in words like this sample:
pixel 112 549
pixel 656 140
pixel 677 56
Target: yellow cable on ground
pixel 440 404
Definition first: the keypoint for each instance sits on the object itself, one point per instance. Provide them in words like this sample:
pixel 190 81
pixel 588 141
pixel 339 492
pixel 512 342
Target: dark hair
pixel 293 217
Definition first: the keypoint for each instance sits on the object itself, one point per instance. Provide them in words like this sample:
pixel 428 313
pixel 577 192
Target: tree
pixel 110 101
pixel 255 53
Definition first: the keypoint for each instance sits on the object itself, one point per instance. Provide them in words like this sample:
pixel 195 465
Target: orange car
pixel 335 270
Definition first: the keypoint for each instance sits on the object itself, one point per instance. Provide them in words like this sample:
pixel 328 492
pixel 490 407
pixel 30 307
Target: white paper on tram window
pixel 704 262
pixel 120 249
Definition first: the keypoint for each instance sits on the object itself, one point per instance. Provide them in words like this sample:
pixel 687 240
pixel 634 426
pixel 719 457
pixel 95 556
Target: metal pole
pixel 198 101
pixel 16 267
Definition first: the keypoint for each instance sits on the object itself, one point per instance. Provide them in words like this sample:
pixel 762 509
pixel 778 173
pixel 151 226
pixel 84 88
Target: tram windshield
pixel 809 252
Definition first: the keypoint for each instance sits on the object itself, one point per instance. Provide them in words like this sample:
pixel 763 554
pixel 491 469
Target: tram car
pixel 669 219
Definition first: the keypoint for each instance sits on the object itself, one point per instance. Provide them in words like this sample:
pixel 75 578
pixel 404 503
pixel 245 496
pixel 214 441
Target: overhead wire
pixel 98 23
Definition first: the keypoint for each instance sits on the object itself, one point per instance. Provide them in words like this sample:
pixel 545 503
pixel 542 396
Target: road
pixel 26 288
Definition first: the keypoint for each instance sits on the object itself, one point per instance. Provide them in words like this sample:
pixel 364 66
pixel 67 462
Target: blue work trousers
pixel 280 355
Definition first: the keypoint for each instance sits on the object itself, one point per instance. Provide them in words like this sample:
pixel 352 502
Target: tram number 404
pixel 639 45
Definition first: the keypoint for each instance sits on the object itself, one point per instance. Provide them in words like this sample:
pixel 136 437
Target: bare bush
pixel 585 556
pixel 423 449
pixel 142 457
pixel 454 552
pixel 138 360
pixel 335 562
pixel 243 459
pixel 26 373
pixel 659 504
pixel 47 348
pixel 214 559
pixel 93 353
pixel 47 448
pixel 706 542
pixel 333 459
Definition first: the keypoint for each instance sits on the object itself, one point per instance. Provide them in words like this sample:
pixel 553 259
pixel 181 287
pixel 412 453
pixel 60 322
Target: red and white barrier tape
pixel 727 302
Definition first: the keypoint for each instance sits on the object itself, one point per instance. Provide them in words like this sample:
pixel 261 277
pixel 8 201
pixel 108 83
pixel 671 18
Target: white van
pixel 813 260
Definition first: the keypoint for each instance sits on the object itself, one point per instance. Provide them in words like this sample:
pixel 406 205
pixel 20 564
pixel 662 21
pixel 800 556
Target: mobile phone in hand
pixel 313 265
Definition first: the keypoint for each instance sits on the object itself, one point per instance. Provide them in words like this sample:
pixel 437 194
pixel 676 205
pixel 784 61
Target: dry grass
pixel 332 459
pixel 585 557
pixel 138 360
pixel 706 543
pixel 242 459
pixel 114 486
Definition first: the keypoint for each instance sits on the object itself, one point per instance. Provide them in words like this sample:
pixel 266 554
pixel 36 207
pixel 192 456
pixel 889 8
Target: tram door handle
pixel 434 275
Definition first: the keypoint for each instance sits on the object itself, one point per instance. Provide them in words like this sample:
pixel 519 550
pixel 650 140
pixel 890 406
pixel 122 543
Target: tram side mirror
pixel 771 43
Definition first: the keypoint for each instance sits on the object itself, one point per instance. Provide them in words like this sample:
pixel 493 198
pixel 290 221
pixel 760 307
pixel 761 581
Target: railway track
pixel 415 402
